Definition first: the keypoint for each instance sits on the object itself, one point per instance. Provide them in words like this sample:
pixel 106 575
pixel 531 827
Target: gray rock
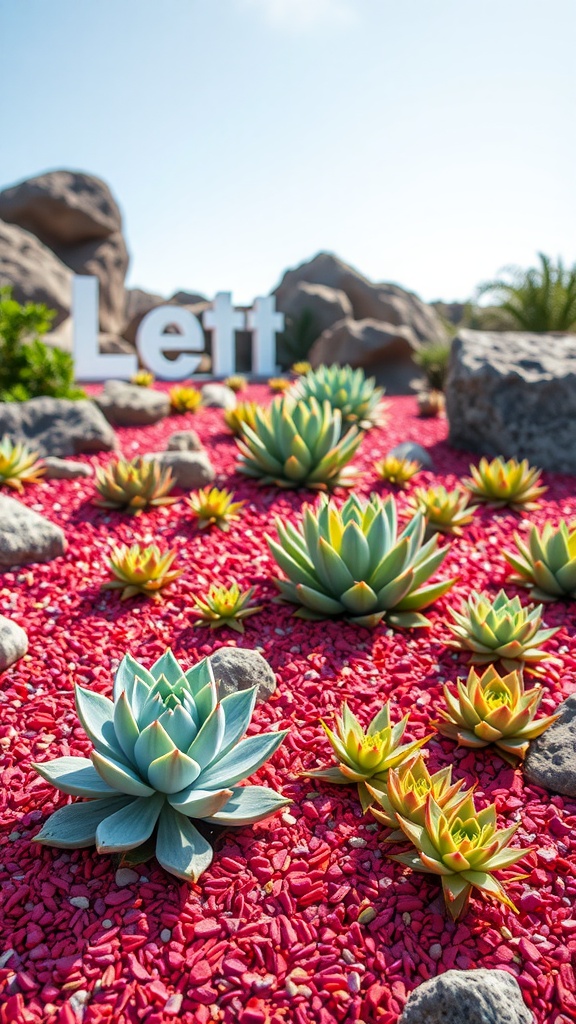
pixel 26 536
pixel 127 405
pixel 65 469
pixel 551 758
pixel 218 396
pixel 190 469
pixel 239 669
pixel 34 272
pixel 514 394
pixel 467 997
pixel 315 306
pixel 13 642
pixel 184 441
pixel 57 426
pixel 381 348
pixel 412 450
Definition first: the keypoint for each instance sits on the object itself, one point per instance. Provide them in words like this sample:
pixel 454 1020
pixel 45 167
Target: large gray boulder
pixel 551 758
pixel 380 348
pixel 467 997
pixel 316 306
pixel 26 536
pixel 34 272
pixel 13 642
pixel 128 405
pixel 514 394
pixel 57 426
pixel 238 669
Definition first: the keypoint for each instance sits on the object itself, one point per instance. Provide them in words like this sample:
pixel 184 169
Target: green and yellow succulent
pixel 445 511
pixel 350 391
pixel 499 483
pixel 141 570
pixel 185 399
pixel 225 606
pixel 19 465
pixel 212 506
pixel 405 792
pixel 396 471
pixel 547 563
pixel 133 485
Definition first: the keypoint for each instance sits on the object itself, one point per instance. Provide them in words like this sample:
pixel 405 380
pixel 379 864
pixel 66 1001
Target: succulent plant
pixel 279 384
pixel 141 570
pixel 18 465
pixel 547 563
pixel 243 414
pixel 237 382
pixel 491 708
pixel 351 561
pixel 133 486
pixel 366 756
pixel 406 790
pixel 185 399
pixel 143 378
pixel 166 750
pixel 348 390
pixel 225 606
pixel 214 507
pixel 445 511
pixel 502 483
pixel 501 630
pixel 430 403
pixel 396 471
pixel 300 368
pixel 464 847
pixel 298 444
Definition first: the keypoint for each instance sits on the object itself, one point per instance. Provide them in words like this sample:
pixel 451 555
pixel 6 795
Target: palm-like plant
pixel 540 299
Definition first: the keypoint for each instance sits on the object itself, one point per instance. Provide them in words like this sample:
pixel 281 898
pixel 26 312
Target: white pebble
pixel 125 876
pixel 357 842
pixel 80 901
pixel 435 951
pixel 106 923
pixel 165 935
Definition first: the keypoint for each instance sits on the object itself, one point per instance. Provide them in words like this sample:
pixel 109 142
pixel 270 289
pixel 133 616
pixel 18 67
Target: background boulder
pixel 34 272
pixel 382 349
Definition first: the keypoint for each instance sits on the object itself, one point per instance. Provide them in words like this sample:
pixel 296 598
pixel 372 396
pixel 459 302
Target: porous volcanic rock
pixel 380 348
pixel 57 426
pixel 467 997
pixel 189 468
pixel 26 536
pixel 128 405
pixel 239 669
pixel 13 642
pixel 551 758
pixel 34 272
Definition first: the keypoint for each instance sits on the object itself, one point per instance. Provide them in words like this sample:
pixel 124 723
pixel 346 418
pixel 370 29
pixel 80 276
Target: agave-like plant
pixel 348 390
pixel 140 570
pixel 279 384
pixel 501 630
pixel 464 847
pixel 214 507
pixel 445 511
pixel 143 378
pixel 134 485
pixel 301 368
pixel 396 471
pixel 185 399
pixel 406 790
pixel 500 483
pixel 225 606
pixel 19 465
pixel 237 382
pixel 366 756
pixel 243 414
pixel 352 561
pixel 298 444
pixel 491 708
pixel 166 750
pixel 547 563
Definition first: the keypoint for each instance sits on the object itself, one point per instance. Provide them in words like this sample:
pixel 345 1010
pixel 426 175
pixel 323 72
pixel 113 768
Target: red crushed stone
pixel 271 934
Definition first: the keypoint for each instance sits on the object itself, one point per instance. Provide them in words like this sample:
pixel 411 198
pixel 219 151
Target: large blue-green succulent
pixel 165 750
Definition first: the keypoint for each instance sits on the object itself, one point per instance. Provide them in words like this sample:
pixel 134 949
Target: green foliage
pixel 299 335
pixel 433 361
pixel 538 299
pixel 29 367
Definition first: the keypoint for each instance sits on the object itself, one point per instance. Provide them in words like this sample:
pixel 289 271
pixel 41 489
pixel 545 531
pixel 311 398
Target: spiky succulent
pixel 166 750
pixel 547 563
pixel 18 465
pixel 396 471
pixel 366 755
pixel 501 483
pixel 445 511
pixel 143 378
pixel 348 390
pixel 301 368
pixel 185 399
pixel 214 507
pixel 298 444
pixel 133 485
pixel 430 403
pixel 501 630
pixel 491 708
pixel 352 561
pixel 406 790
pixel 225 606
pixel 243 414
pixel 279 384
pixel 464 847
pixel 141 570
pixel 237 382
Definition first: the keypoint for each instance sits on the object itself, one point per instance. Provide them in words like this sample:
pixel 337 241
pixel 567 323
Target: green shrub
pixel 299 335
pixel 540 299
pixel 433 361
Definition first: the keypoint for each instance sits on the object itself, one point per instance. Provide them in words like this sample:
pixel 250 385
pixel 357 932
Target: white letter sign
pixel 264 322
pixel 150 340
pixel 89 363
pixel 223 320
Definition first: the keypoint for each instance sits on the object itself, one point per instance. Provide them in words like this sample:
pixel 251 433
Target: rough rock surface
pixel 184 441
pixel 238 669
pixel 107 259
pixel 468 997
pixel 189 468
pixel 65 469
pixel 551 758
pixel 35 273
pixel 514 394
pixel 127 405
pixel 57 426
pixel 13 642
pixel 326 306
pixel 218 396
pixel 380 348
pixel 26 536
pixel 413 450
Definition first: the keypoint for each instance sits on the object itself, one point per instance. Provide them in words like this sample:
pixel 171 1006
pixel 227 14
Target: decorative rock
pixel 218 396
pixel 13 642
pixel 34 272
pixel 125 876
pixel 467 997
pixel 551 758
pixel 57 426
pixel 191 469
pixel 184 441
pixel 127 405
pixel 26 536
pixel 412 450
pixel 323 306
pixel 238 669
pixel 381 348
pixel 514 394
pixel 65 469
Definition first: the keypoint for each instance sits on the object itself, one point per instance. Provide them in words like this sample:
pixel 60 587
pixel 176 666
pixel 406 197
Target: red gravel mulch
pixel 300 918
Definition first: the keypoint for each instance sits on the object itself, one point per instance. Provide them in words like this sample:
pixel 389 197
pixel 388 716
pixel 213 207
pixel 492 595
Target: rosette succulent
pixel 140 570
pixel 243 414
pixel 347 390
pixel 237 382
pixel 445 511
pixel 185 399
pixel 225 606
pixel 501 630
pixel 18 465
pixel 298 444
pixel 491 708
pixel 279 384
pixel 396 471
pixel 406 791
pixel 143 379
pixel 352 561
pixel 133 486
pixel 366 756
pixel 501 483
pixel 300 368
pixel 166 751
pixel 547 563
pixel 214 507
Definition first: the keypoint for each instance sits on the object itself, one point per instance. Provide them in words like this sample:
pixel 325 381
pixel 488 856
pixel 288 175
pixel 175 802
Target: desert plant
pixel 140 570
pixel 214 507
pixel 434 360
pixel 18 465
pixel 405 792
pixel 133 485
pixel 299 369
pixel 430 403
pixel 225 606
pixel 351 561
pixel 547 563
pixel 166 750
pixel 501 483
pixel 540 299
pixel 445 511
pixel 279 385
pixel 396 471
pixel 349 391
pixel 143 379
pixel 299 335
pixel 237 382
pixel 185 399
pixel 243 413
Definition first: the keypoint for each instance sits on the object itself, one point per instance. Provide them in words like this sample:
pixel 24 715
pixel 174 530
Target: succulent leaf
pixel 214 507
pixel 347 390
pixel 19 465
pixel 133 486
pixel 501 483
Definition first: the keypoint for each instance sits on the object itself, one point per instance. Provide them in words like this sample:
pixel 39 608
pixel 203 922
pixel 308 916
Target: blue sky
pixel 427 143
